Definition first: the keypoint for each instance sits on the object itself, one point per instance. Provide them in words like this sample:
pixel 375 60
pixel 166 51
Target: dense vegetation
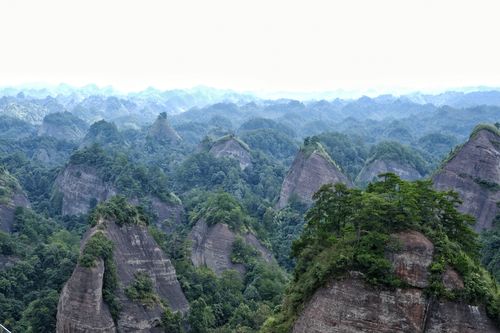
pixel 347 150
pixel 130 178
pixel 44 255
pixel 119 211
pixel 394 151
pixel 490 251
pixel 142 289
pixel 347 229
pixel 272 143
pixel 8 184
pixel 231 302
pixel 350 230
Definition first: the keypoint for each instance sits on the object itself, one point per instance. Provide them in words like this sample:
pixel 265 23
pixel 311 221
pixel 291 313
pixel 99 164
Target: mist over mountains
pixel 208 211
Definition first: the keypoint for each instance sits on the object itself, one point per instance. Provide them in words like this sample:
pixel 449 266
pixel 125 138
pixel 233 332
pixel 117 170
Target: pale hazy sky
pixel 274 45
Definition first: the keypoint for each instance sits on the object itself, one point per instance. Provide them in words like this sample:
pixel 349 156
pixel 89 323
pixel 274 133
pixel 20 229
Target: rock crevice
pixel 352 306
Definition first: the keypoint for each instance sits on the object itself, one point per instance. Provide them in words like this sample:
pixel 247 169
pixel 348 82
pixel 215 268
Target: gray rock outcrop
pixel 307 174
pixel 212 246
pixel 81 307
pixel 162 131
pixel 352 306
pixel 79 187
pixel 231 147
pixel 474 172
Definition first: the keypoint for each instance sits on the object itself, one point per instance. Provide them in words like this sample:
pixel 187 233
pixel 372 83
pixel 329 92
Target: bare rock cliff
pixel 377 167
pixel 232 148
pixel 307 174
pixel 474 172
pixel 212 246
pixel 81 307
pixel 352 306
pixel 79 187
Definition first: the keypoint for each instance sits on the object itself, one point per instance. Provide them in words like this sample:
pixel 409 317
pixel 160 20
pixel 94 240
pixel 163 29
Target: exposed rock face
pixel 233 148
pixel 370 171
pixel 212 247
pixel 307 174
pixel 162 131
pixel 474 172
pixel 81 307
pixel 451 280
pixel 63 126
pixel 11 196
pixel 415 256
pixel 352 306
pixel 79 187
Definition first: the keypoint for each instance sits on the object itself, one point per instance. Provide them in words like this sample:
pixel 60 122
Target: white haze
pixel 261 45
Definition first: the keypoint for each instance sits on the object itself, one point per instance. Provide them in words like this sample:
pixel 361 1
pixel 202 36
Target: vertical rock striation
pixel 81 307
pixel 212 246
pixel 309 171
pixel 474 172
pixel 230 146
pixel 352 306
pixel 79 187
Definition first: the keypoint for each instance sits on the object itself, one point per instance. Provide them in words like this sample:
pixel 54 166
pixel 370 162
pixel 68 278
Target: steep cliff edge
pixel 212 246
pixel 351 305
pixel 82 184
pixel 230 146
pixel 474 172
pixel 81 307
pixel 311 169
pixel 396 257
pixel 11 196
pixel 116 256
pixel 80 188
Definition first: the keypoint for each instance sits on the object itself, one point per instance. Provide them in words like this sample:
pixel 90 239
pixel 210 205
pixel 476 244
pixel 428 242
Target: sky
pixel 257 45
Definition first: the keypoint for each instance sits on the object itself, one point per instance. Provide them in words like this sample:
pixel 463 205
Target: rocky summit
pixel 473 170
pixel 80 187
pixel 81 304
pixel 162 131
pixel 231 147
pixel 311 169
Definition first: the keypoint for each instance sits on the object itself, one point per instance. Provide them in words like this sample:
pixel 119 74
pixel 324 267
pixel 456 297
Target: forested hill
pixel 209 211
